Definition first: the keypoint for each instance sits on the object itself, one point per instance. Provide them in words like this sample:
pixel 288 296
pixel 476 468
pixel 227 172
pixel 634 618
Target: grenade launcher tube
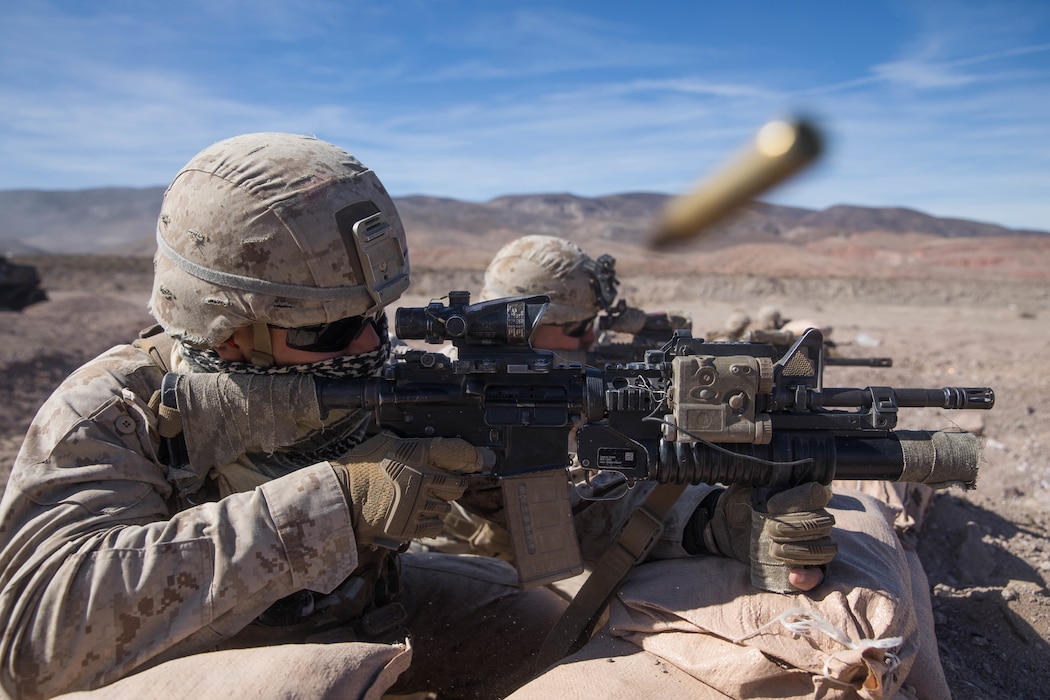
pixel 937 458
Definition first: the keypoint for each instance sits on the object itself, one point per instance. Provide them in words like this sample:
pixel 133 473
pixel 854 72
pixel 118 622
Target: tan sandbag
pixel 909 501
pixel 702 617
pixel 322 671
pixel 690 617
pixel 614 668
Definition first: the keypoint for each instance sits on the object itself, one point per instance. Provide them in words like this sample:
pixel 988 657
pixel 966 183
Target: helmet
pixel 769 318
pixel 578 286
pixel 799 327
pixel 278 229
pixel 737 323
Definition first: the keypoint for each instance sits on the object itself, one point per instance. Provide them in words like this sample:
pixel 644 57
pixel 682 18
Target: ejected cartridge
pixel 780 150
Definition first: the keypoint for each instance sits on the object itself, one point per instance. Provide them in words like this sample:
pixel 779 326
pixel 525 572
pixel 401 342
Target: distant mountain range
pixel 122 220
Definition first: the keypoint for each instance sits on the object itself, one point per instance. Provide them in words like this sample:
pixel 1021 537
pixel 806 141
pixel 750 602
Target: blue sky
pixel 938 106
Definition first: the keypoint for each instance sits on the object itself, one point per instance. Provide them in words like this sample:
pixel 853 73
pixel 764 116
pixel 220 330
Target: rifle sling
pixel 636 538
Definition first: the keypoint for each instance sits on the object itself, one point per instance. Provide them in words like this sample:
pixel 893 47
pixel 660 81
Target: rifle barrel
pixel 859 361
pixel 950 397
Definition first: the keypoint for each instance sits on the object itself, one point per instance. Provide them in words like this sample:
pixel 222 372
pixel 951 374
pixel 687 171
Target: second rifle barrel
pixel 952 397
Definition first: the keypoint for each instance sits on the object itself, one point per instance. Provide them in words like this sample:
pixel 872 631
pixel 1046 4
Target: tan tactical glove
pixel 401 488
pixel 794 531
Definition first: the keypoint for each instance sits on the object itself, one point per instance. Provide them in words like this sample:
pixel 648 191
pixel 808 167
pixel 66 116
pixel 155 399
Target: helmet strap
pixel 262 346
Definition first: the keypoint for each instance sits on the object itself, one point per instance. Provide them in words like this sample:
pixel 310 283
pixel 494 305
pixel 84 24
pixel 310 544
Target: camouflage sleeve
pixel 99 577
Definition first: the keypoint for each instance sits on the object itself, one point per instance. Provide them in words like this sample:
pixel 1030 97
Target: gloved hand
pixel 794 531
pixel 401 488
pixel 628 319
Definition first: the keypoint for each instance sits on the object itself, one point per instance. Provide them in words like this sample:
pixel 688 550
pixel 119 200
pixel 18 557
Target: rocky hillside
pixel 122 221
pixel 78 221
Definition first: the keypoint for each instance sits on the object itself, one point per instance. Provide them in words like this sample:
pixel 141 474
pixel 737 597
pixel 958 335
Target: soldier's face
pixel 239 347
pixel 556 338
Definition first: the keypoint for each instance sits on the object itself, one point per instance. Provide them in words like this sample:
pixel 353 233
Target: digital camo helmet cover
pixel 578 286
pixel 274 228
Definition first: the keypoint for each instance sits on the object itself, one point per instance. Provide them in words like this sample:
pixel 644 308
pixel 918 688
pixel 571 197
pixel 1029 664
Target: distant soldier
pixel 579 288
pixel 769 326
pixel 733 329
pixel 769 318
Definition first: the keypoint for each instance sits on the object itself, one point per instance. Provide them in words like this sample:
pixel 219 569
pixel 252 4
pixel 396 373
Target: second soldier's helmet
pixel 274 228
pixel 769 318
pixel 737 323
pixel 578 286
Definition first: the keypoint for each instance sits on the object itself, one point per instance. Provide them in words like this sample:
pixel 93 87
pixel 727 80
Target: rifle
pixel 659 327
pixel 783 340
pixel 692 412
pixel 858 361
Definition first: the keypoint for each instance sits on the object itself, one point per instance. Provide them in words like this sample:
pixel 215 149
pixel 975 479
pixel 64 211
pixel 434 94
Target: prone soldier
pixel 687 621
pixel 769 326
pixel 585 322
pixel 148 556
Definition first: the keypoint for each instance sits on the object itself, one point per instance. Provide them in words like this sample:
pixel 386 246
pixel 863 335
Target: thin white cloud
pixel 920 73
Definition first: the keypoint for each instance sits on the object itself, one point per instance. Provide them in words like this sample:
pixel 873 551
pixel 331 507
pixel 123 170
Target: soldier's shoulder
pixel 122 367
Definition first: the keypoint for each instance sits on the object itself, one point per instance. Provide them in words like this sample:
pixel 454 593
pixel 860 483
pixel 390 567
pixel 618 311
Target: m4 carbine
pixel 692 412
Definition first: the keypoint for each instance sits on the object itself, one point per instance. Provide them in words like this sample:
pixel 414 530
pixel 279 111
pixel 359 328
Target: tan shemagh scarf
pixel 246 425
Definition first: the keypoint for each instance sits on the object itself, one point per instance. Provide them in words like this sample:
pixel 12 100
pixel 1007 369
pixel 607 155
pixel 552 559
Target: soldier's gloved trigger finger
pixel 487 457
pixel 454 454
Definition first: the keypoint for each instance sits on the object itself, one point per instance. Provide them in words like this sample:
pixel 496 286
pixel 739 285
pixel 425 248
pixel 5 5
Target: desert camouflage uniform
pixel 107 571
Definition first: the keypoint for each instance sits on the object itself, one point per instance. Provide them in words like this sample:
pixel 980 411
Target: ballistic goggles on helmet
pixel 329 337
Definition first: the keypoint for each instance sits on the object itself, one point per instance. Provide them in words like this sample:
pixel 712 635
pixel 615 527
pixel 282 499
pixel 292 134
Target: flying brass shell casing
pixel 781 149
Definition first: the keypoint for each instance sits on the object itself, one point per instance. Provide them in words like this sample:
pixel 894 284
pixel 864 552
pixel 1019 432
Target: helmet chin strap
pixel 262 346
